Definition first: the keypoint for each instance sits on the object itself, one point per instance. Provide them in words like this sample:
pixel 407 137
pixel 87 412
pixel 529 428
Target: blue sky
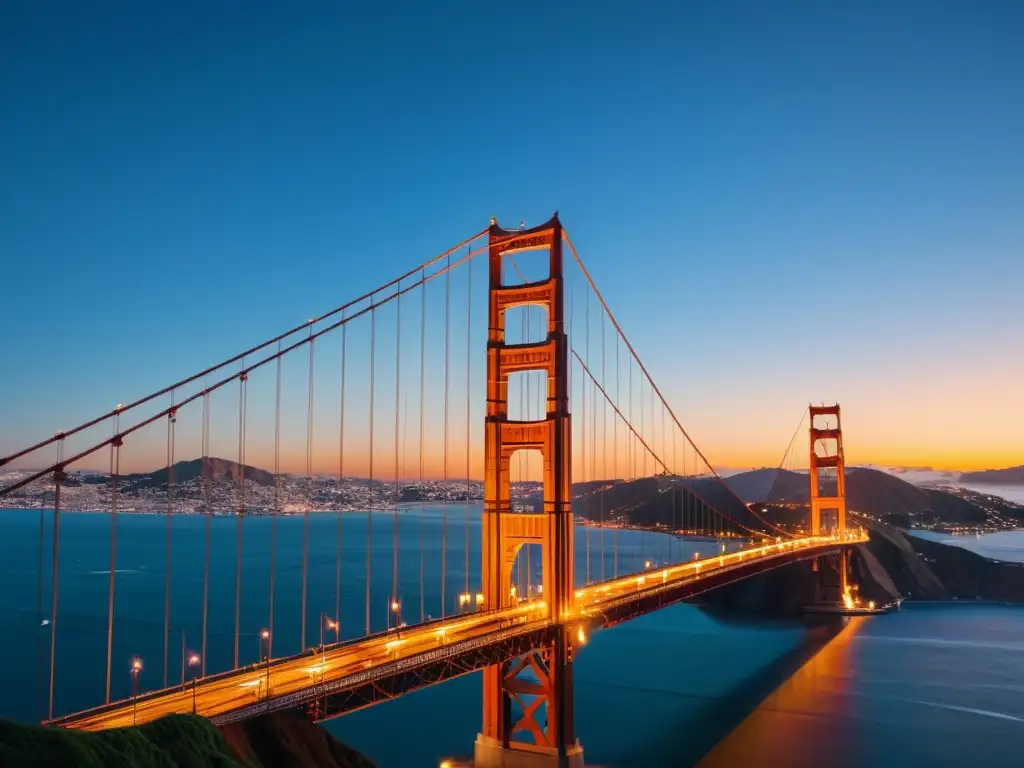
pixel 782 202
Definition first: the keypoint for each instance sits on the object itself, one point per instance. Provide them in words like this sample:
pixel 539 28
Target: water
pixel 936 685
pixel 139 623
pixel 1005 545
pixel 1014 493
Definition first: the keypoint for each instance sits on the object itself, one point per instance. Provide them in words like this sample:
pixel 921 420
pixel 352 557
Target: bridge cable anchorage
pixel 656 391
pixel 247 353
pixel 444 509
pixel 207 514
pixel 277 504
pixel 372 492
pixel 469 367
pixel 171 419
pixel 423 361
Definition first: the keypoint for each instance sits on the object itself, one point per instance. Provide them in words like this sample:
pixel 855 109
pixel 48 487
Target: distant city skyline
pixel 829 211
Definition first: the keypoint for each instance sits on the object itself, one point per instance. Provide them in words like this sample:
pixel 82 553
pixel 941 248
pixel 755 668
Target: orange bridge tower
pixel 827 454
pixel 540 682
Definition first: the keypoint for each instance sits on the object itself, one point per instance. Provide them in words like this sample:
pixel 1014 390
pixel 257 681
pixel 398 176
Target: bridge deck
pixel 358 673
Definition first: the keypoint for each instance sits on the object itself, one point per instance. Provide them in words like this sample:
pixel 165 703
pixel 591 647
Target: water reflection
pixel 794 725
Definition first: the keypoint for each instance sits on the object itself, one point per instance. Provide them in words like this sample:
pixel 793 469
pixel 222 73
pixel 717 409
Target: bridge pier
pixel 491 753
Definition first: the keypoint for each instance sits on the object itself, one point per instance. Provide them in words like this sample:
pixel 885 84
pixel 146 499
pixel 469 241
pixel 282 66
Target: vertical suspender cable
pixel 604 439
pixel 58 477
pixel 618 400
pixel 444 512
pixel 206 526
pixel 40 712
pixel 398 489
pixel 469 363
pixel 341 482
pixel 369 512
pixel 167 536
pixel 277 505
pixel 309 493
pixel 583 453
pixel 241 507
pixel 423 359
pixel 115 469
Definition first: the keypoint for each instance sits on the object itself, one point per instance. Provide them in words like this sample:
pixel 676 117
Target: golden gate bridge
pixel 559 403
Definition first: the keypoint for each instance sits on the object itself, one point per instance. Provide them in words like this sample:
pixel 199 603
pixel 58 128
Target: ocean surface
pixel 1005 545
pixel 1014 493
pixel 932 684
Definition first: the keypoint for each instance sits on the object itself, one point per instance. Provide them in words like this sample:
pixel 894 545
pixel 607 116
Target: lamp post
pixel 136 668
pixel 265 637
pixel 193 661
pixel 332 625
pixel 395 607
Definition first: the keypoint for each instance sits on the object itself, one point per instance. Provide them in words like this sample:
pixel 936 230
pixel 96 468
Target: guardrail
pixel 318 690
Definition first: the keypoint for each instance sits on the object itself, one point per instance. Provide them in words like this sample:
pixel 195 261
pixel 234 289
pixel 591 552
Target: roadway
pixel 227 692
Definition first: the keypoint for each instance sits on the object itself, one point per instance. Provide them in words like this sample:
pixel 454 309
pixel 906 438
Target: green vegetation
pixel 280 740
pixel 176 741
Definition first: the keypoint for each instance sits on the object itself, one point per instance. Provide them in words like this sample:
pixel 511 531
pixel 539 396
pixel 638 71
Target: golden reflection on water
pixel 795 724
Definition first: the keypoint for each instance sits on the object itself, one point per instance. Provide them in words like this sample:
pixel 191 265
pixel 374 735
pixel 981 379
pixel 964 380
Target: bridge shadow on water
pixel 702 711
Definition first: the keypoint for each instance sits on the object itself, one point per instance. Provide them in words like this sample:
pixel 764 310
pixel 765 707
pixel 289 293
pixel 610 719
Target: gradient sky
pixel 782 202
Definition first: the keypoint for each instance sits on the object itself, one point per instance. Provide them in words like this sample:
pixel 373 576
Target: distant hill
pixel 658 500
pixel 1009 476
pixel 868 491
pixel 218 470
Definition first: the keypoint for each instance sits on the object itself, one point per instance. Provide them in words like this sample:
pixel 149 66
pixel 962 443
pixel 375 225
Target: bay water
pixel 938 684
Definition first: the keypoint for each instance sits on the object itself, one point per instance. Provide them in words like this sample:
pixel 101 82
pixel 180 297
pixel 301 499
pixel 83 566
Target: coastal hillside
pixel 280 740
pixel 1009 476
pixel 216 470
pixel 892 564
pixel 876 494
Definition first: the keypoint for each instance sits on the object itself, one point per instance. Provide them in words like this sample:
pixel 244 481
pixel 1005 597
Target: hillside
pixel 868 491
pixel 1008 476
pixel 217 470
pixel 891 564
pixel 281 740
pixel 658 500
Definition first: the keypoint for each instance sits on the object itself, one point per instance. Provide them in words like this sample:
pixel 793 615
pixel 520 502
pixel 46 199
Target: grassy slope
pixel 181 741
pixel 281 740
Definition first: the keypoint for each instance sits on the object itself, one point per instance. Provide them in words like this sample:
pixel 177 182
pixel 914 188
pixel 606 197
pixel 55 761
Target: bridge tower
pixel 827 454
pixel 829 440
pixel 552 737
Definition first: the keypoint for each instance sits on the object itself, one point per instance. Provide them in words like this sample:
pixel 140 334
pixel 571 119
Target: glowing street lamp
pixel 136 668
pixel 464 600
pixel 193 661
pixel 265 638
pixel 395 607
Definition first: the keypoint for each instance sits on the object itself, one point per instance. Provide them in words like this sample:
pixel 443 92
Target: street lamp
pixel 395 607
pixel 464 600
pixel 331 625
pixel 136 668
pixel 193 661
pixel 265 637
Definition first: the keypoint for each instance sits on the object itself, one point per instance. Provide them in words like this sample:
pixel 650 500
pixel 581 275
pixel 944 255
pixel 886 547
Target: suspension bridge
pixel 595 506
